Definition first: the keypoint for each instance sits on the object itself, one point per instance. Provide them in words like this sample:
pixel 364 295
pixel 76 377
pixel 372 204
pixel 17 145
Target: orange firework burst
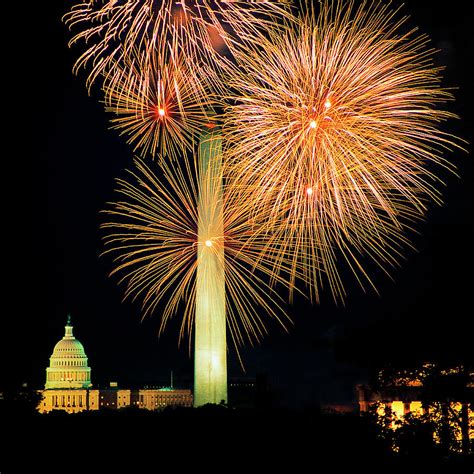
pixel 160 106
pixel 146 57
pixel 334 128
pixel 153 234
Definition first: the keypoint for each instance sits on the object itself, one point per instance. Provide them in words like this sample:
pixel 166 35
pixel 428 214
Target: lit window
pixel 416 408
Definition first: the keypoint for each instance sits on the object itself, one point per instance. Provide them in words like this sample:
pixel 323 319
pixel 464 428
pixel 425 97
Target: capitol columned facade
pixel 69 388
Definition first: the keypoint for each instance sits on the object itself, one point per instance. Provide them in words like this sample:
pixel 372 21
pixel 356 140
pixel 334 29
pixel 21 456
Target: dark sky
pixel 65 161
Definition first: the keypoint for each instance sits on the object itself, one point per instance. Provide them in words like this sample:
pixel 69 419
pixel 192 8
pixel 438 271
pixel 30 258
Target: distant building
pixel 399 400
pixel 406 392
pixel 68 378
pixel 68 385
pixel 443 395
pixel 158 398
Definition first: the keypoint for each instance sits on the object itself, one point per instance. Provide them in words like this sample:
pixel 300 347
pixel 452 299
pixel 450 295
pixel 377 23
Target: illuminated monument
pixel 210 352
pixel 68 385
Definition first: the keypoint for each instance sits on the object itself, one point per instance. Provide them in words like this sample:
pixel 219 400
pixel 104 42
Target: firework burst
pixel 156 234
pixel 334 129
pixel 159 106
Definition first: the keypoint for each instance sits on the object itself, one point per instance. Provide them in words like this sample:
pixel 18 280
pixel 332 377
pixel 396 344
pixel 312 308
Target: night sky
pixel 65 162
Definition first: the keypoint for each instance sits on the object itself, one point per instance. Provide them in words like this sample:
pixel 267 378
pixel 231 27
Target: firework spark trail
pixel 153 234
pixel 112 31
pixel 333 128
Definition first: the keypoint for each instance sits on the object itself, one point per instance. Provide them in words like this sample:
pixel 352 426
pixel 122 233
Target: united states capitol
pixel 69 385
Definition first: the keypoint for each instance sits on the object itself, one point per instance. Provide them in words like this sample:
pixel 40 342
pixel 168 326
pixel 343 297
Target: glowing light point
pixel 313 124
pixel 161 112
pixel 327 104
pixel 208 243
pixel 309 191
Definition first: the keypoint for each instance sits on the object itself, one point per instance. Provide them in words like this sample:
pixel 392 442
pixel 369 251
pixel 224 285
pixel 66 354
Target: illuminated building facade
pixel 448 402
pixel 68 385
pixel 399 401
pixel 155 399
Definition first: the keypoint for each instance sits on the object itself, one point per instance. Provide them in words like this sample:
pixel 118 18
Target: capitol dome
pixel 68 363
